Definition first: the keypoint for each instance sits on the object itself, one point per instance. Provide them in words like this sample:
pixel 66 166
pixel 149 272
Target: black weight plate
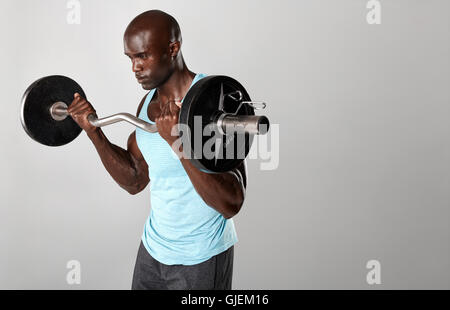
pixel 36 103
pixel 203 100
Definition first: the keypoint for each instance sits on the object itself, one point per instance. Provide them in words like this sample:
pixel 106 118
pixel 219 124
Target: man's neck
pixel 176 87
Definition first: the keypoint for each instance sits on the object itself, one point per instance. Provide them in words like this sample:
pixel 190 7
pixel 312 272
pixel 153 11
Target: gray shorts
pixel 214 274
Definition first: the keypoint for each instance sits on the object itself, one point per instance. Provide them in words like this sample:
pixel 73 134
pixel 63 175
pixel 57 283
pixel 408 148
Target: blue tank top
pixel 181 228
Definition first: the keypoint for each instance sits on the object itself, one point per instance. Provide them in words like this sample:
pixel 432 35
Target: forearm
pixel 117 161
pixel 223 191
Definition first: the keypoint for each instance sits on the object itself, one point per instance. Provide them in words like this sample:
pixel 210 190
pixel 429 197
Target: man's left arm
pixel 225 192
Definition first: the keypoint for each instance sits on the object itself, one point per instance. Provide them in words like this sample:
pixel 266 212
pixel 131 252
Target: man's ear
pixel 174 48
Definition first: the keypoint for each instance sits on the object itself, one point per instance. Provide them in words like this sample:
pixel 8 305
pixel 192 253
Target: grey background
pixel 364 168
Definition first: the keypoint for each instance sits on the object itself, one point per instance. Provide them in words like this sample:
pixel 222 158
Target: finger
pixel 85 111
pixel 82 113
pixel 78 109
pixel 170 107
pixel 74 103
pixel 158 122
pixel 77 102
pixel 159 118
pixel 174 108
pixel 82 104
pixel 164 111
pixel 76 98
pixel 77 95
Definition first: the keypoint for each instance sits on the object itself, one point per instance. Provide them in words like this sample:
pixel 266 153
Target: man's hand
pixel 167 120
pixel 79 110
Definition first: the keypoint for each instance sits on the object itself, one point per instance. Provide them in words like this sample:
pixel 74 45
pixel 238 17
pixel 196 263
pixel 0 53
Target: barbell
pixel 215 104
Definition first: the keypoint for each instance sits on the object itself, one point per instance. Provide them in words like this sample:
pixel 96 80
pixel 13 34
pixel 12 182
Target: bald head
pixel 157 23
pixel 152 40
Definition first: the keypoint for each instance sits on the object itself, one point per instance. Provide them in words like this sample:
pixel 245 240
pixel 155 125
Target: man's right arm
pixel 127 167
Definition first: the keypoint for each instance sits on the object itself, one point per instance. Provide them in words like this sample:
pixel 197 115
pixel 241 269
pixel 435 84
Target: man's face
pixel 150 58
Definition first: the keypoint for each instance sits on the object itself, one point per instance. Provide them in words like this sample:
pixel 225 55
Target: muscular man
pixel 189 235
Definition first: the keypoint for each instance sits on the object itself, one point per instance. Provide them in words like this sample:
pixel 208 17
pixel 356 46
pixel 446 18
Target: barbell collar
pixel 58 111
pixel 250 124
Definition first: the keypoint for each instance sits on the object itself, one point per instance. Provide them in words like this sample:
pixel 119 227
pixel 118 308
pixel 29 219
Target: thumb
pixel 175 107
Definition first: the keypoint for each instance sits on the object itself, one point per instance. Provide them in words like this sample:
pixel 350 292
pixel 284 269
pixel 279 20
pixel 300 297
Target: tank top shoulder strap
pixel 143 113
